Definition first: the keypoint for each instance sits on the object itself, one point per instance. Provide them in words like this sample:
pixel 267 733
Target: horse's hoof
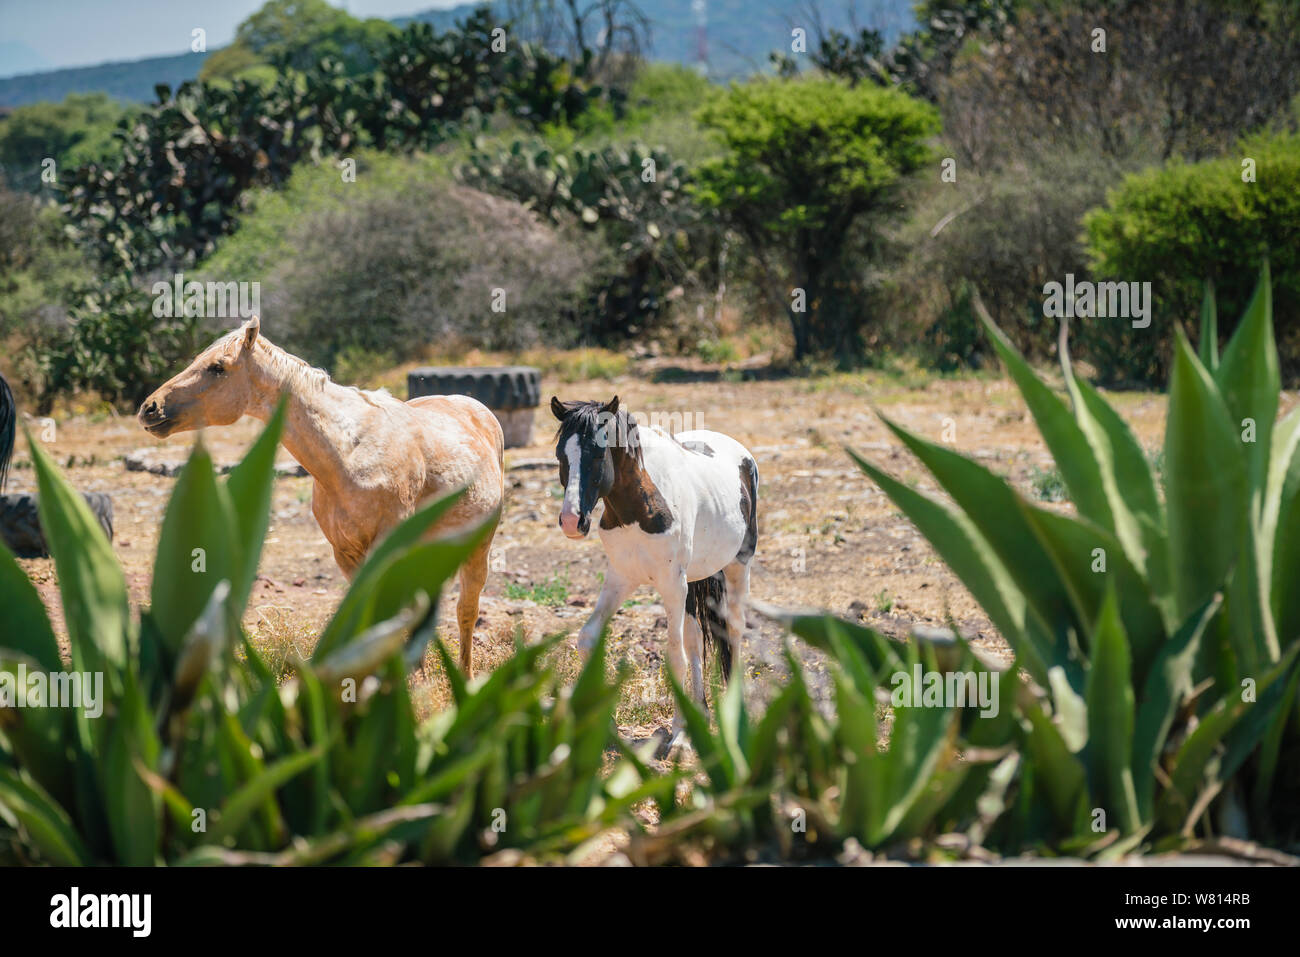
pixel 665 745
pixel 669 742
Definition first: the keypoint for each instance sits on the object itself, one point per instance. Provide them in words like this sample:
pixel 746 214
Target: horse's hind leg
pixel 473 575
pixel 694 641
pixel 737 574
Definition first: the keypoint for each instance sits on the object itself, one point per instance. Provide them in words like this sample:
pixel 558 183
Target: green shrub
pixel 393 272
pixel 808 160
pixel 1182 224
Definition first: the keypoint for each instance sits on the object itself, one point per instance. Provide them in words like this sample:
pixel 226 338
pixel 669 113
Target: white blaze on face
pixel 569 510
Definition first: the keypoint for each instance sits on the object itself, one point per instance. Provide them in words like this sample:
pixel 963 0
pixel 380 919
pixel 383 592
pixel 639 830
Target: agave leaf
pixel 1062 775
pixel 1273 692
pixel 249 486
pixel 994 508
pixel 862 809
pixel 360 594
pixel 196 550
pixel 1111 717
pixel 1088 561
pixel 1168 683
pixel 1249 625
pixel 714 757
pixel 372 648
pixel 1191 773
pixel 36 735
pixel 27 627
pixel 251 795
pixel 90 580
pixel 425 567
pixel 1071 710
pixel 1270 747
pixel 133 808
pixel 767 736
pixel 1209 338
pixel 1069 446
pixel 1139 517
pixel 446 830
pixel 822 631
pixel 1206 481
pixel 1249 380
pixel 28 808
pixel 1279 536
pixel 920 743
pixel 965 550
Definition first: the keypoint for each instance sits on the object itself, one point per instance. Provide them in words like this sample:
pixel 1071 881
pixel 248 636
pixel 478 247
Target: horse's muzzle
pixel 573 526
pixel 153 420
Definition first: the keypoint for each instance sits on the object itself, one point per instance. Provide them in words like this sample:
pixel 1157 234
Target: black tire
pixel 20 522
pixel 501 388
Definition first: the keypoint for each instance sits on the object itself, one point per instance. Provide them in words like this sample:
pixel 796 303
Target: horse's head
pixel 590 434
pixel 215 389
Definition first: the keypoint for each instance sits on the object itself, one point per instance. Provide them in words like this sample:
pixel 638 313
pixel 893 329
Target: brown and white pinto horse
pixel 374 458
pixel 680 514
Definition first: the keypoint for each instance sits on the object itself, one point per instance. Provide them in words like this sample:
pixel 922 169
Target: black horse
pixel 20 523
pixel 8 425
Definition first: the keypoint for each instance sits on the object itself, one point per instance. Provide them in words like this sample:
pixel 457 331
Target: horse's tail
pixel 8 427
pixel 705 601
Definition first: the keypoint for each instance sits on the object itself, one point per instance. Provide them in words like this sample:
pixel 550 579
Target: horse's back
pixel 469 414
pixel 710 481
pixel 715 445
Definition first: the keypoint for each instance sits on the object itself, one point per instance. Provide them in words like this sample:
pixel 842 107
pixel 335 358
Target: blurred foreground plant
pixel 197 756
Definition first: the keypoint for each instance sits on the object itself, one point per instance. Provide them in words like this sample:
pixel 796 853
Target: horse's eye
pixel 217 369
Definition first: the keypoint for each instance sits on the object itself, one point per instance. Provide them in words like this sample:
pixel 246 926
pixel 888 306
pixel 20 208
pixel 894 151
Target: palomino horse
pixel 680 514
pixel 374 458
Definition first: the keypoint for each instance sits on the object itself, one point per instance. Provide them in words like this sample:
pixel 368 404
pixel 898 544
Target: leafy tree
pixel 808 160
pixel 298 33
pixel 77 130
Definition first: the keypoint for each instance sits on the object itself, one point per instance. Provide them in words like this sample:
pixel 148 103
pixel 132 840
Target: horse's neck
pixel 634 498
pixel 322 418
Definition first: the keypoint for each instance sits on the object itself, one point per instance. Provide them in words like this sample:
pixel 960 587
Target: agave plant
pixel 803 780
pixel 198 756
pixel 1161 632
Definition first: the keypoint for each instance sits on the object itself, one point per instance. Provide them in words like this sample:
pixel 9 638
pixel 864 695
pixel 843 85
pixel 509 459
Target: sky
pixel 49 34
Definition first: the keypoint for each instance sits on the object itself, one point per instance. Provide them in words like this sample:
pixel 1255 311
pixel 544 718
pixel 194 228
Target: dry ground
pixel 828 538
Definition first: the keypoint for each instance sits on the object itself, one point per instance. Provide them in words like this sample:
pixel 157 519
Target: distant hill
pixel 129 80
pixel 739 35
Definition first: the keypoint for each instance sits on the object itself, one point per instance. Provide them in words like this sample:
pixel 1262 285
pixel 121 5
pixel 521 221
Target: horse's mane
pixel 583 418
pixel 297 374
pixel 8 426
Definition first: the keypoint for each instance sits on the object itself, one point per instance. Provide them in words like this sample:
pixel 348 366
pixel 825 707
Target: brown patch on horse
pixel 635 498
pixel 749 509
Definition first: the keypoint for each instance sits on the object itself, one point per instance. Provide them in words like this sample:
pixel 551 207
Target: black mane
pixel 583 419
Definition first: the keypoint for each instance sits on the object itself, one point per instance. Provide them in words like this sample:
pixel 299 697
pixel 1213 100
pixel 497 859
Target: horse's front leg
pixel 674 596
pixel 612 595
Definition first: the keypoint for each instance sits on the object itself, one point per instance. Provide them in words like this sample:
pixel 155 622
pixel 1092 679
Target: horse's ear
pixel 557 408
pixel 251 329
pixel 611 406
